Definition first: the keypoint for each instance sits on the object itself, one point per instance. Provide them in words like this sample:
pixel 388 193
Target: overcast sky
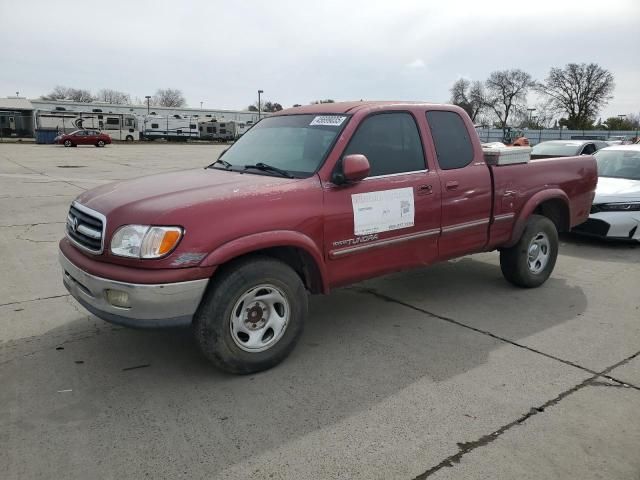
pixel 222 52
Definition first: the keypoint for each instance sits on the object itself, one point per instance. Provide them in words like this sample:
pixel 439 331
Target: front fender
pixel 260 241
pixel 530 206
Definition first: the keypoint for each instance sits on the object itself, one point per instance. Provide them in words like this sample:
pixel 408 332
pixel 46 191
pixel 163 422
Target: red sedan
pixel 83 137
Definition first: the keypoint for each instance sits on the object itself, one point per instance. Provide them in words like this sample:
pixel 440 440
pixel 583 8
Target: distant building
pixel 141 110
pixel 16 117
pixel 17 114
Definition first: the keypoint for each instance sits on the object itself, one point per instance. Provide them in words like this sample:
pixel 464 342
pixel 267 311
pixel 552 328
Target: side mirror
pixel 354 168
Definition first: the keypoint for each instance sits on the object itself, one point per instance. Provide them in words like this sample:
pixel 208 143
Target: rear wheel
pixel 129 138
pixel 251 316
pixel 530 262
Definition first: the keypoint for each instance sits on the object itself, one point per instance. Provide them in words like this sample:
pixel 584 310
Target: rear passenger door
pixel 81 137
pixel 466 185
pixel 391 219
pixel 92 137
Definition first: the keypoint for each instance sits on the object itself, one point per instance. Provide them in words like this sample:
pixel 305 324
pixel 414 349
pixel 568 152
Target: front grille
pixel 85 228
pixel 593 226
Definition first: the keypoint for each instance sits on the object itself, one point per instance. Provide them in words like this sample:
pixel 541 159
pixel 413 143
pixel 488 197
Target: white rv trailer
pixel 172 127
pixel 222 131
pixel 119 126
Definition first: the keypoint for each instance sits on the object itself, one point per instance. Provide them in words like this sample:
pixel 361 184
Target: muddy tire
pixel 251 316
pixel 529 263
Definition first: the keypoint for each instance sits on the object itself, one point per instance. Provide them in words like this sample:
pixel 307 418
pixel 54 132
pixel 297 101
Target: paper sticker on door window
pixel 383 211
pixel 328 120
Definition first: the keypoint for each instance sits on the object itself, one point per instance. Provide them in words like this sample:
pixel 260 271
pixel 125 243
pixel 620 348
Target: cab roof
pixel 349 107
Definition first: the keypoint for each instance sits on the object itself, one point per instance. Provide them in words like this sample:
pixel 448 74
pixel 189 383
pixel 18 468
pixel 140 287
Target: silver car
pixel 615 213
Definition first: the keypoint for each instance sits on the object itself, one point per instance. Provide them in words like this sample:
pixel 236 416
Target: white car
pixel 615 213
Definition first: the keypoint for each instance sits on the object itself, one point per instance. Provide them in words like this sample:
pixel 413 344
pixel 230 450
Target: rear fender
pixel 530 207
pixel 265 240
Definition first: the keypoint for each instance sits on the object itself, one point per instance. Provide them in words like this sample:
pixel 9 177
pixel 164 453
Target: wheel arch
pixel 553 204
pixel 293 248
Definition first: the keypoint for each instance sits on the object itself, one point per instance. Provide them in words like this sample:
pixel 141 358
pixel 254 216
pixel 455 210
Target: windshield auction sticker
pixel 328 120
pixel 382 211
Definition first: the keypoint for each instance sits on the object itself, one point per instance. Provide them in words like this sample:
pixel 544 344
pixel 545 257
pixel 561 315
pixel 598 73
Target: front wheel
pixel 100 143
pixel 67 143
pixel 251 316
pixel 530 262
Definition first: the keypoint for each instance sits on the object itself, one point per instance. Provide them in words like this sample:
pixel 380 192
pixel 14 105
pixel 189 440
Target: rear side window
pixel 451 139
pixel 391 143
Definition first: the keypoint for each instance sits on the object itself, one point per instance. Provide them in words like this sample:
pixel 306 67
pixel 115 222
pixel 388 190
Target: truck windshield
pixel 295 143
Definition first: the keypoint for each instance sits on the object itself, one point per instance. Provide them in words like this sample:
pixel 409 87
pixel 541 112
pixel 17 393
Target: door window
pixel 391 143
pixel 451 139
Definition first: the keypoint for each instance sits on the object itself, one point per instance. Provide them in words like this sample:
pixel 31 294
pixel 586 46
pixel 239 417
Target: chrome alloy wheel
pixel 259 318
pixel 538 253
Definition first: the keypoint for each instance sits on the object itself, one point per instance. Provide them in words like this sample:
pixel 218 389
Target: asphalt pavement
pixel 443 372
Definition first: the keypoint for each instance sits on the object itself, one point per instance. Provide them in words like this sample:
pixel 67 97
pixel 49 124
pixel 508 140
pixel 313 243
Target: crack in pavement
pixel 466 447
pixel 30 224
pixel 46 175
pixel 34 300
pixel 387 298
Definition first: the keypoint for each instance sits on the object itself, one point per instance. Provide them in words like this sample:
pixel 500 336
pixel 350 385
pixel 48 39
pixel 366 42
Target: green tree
pixel 619 123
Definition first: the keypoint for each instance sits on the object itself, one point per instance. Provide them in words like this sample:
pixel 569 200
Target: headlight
pixel 144 241
pixel 620 207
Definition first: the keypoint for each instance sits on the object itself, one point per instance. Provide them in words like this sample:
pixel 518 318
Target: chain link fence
pixel 536 136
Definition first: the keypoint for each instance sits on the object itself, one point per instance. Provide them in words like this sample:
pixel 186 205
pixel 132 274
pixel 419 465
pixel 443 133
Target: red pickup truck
pixel 310 199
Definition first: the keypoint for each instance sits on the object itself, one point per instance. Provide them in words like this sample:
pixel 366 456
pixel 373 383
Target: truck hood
pixel 617 190
pixel 213 206
pixel 154 198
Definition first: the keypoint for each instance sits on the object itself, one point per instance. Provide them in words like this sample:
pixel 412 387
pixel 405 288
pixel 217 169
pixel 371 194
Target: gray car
pixel 566 148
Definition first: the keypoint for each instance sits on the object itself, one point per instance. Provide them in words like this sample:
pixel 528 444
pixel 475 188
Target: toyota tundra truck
pixel 310 199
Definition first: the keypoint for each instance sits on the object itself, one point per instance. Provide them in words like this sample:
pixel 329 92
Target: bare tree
pixel 579 90
pixel 507 93
pixel 113 96
pixel 66 93
pixel 470 96
pixel 58 93
pixel 169 97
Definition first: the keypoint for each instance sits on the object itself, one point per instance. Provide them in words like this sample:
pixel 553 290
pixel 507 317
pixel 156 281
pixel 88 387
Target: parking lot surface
pixel 446 372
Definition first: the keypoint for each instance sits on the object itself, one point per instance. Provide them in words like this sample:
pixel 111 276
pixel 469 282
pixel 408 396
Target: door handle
pixel 425 190
pixel 451 185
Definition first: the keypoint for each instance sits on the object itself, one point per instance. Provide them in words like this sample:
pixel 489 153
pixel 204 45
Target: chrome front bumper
pixel 151 306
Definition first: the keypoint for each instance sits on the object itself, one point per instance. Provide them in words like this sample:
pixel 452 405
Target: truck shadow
pixel 357 350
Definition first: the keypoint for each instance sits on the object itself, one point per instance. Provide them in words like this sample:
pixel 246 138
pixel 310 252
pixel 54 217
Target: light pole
pixel 530 110
pixel 260 92
pixel 148 97
pixel 201 105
